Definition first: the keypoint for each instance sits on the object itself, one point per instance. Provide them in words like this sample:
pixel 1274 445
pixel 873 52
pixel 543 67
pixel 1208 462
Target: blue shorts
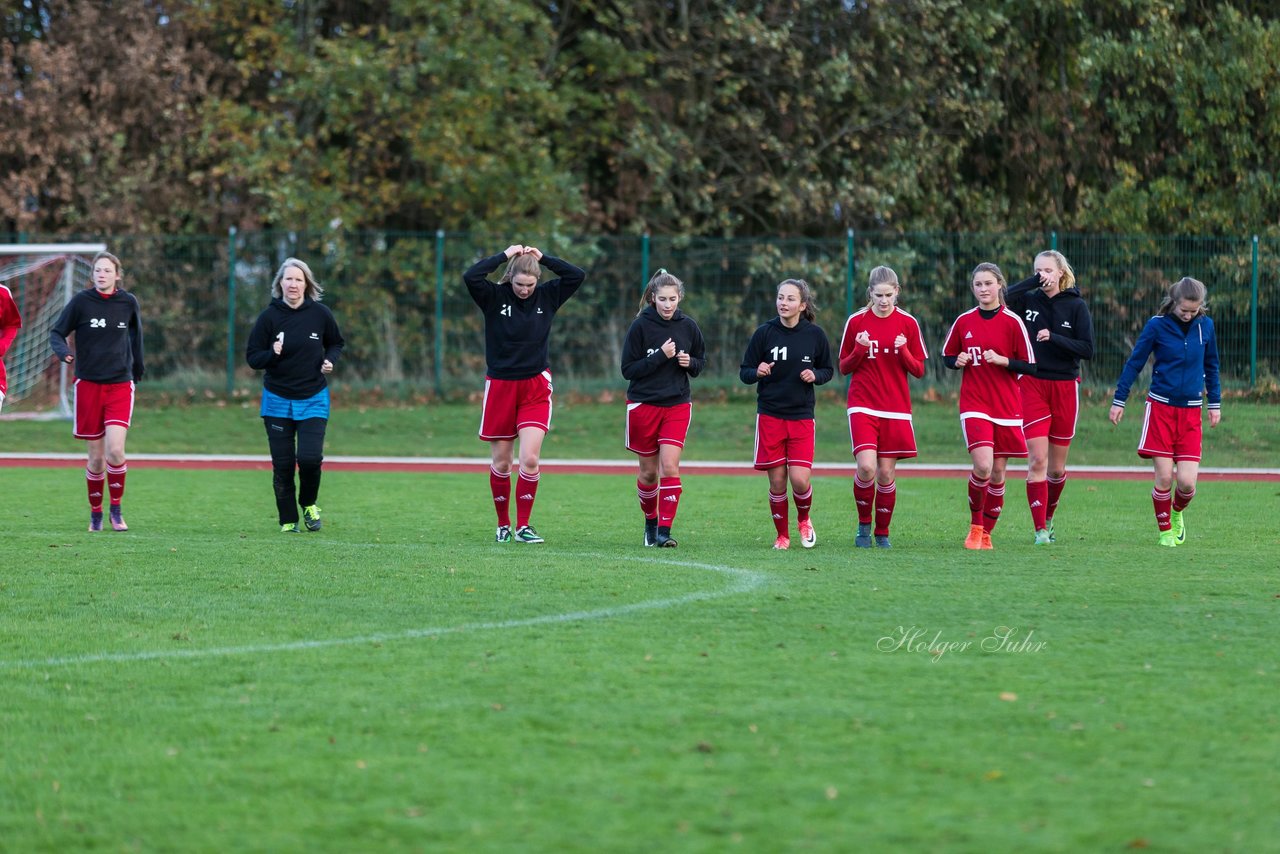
pixel 316 406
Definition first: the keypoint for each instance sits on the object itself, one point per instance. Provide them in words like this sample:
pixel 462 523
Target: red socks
pixel 977 498
pixel 1162 502
pixel 115 482
pixel 1055 492
pixel 864 494
pixel 886 497
pixel 669 490
pixel 778 507
pixel 803 503
pixel 995 503
pixel 94 483
pixel 1038 501
pixel 648 497
pixel 500 486
pixel 1182 499
pixel 526 492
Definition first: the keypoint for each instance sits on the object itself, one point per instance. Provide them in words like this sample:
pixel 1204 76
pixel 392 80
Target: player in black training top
pixel 1061 330
pixel 787 357
pixel 107 326
pixel 663 348
pixel 517 388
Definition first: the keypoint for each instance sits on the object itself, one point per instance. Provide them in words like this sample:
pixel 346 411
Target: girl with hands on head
pixel 518 313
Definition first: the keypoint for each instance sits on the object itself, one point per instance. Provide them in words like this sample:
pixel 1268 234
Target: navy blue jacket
pixel 1186 363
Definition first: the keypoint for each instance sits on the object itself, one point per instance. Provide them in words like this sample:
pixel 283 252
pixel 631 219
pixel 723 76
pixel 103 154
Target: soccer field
pixel 397 681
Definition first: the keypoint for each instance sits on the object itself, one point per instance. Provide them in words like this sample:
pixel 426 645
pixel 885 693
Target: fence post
pixel 439 359
pixel 231 309
pixel 848 273
pixel 644 261
pixel 1253 320
pixel 1053 240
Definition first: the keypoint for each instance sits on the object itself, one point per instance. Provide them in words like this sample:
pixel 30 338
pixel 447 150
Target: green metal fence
pixel 409 321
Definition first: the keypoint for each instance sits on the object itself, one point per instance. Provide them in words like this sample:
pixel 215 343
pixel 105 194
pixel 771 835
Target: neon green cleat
pixel 1178 525
pixel 1043 537
pixel 1168 538
pixel 311 517
pixel 289 528
pixel 1048 526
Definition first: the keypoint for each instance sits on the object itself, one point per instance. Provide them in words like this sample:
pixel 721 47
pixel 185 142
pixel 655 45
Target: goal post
pixel 41 278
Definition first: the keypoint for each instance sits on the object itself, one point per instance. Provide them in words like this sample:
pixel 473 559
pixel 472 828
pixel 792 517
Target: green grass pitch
pixel 398 682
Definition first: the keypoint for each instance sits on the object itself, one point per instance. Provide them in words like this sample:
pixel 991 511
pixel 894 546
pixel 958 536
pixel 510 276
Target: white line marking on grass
pixel 743 581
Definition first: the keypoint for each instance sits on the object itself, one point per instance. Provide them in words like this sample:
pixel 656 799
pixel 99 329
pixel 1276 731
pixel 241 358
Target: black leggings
pixel 307 457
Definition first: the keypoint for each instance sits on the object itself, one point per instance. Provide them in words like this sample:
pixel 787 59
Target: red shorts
pixel 1168 431
pixel 511 405
pixel 100 404
pixel 1003 439
pixel 649 426
pixel 893 438
pixel 1049 408
pixel 782 442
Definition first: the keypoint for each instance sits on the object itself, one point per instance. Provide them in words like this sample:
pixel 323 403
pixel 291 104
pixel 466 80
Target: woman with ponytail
pixel 662 350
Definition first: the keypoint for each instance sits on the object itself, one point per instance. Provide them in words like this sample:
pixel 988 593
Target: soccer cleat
pixel 663 538
pixel 311 517
pixel 1048 526
pixel 1169 538
pixel 503 535
pixel 1043 537
pixel 974 540
pixel 1178 525
pixel 290 528
pixel 808 536
pixel 95 520
pixel 650 532
pixel 862 539
pixel 117 519
pixel 526 534
pixel 882 541
pixel 782 543
pixel 986 540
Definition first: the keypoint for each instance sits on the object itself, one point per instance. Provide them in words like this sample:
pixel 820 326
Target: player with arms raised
pixel 518 312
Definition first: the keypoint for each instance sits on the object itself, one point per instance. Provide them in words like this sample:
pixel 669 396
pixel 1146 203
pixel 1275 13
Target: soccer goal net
pixel 41 278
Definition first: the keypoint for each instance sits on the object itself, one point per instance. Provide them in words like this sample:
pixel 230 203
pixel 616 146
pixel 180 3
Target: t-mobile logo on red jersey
pixel 975 353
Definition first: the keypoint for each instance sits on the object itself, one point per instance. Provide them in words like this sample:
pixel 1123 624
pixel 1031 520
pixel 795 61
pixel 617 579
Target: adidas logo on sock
pixel 777 515
pixel 528 496
pixel 500 499
pixel 670 498
pixel 1036 503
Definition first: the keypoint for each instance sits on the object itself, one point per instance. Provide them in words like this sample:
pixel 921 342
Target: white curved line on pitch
pixel 744 580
